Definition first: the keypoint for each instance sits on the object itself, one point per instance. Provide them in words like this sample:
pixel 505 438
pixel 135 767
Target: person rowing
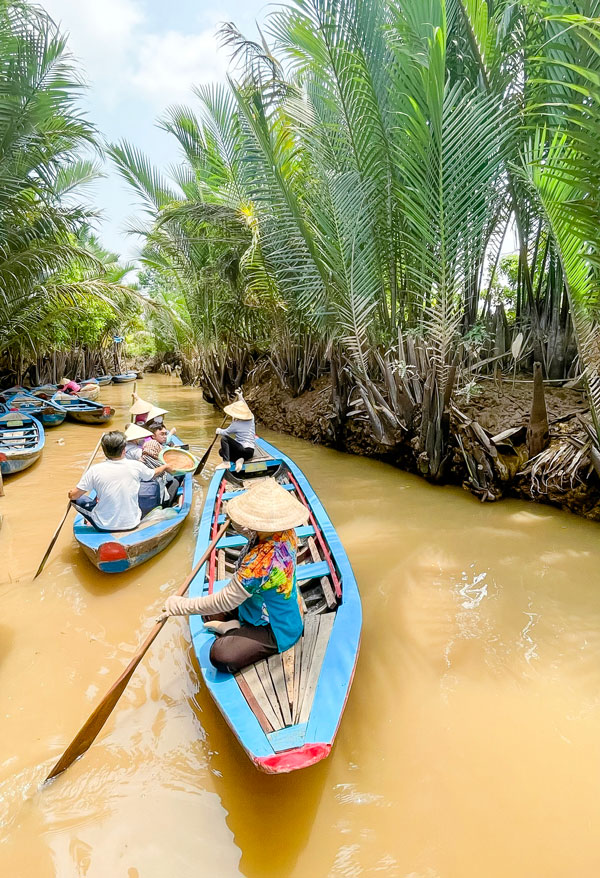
pixel 116 482
pixel 257 613
pixel 238 440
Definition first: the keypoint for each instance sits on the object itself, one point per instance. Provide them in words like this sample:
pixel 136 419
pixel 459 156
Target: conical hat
pixel 140 407
pixel 154 413
pixel 133 431
pixel 239 409
pixel 267 507
pixel 64 380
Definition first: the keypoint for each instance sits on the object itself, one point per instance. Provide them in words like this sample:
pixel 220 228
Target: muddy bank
pixel 487 443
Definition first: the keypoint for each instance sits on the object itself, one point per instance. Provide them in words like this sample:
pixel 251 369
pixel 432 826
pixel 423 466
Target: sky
pixel 139 57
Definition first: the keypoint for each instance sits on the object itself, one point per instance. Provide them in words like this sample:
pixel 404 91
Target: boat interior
pixel 280 690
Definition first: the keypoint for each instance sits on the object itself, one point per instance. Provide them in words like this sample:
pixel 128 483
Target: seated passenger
pixel 66 386
pixel 141 410
pixel 238 440
pixel 257 612
pixel 135 435
pixel 116 482
pixel 169 483
pixel 160 433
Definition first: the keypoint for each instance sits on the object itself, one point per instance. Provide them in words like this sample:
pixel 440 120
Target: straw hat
pixel 140 407
pixel 64 380
pixel 239 409
pixel 134 431
pixel 154 413
pixel 267 507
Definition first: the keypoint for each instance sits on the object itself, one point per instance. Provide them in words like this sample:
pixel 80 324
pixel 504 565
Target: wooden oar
pixel 64 518
pixel 133 399
pixel 88 733
pixel 204 457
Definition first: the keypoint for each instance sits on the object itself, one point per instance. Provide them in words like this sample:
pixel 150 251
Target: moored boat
pixel 99 379
pixel 124 378
pixel 89 391
pixel 285 710
pixel 85 411
pixel 45 410
pixel 21 441
pixel 117 551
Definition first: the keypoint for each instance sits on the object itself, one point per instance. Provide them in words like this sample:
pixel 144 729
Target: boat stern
pixel 291 760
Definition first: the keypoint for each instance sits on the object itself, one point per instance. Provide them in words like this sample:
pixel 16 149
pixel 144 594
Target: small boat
pixel 85 411
pixel 285 710
pixel 89 391
pixel 124 378
pixel 21 441
pixel 117 551
pixel 50 413
pixel 99 379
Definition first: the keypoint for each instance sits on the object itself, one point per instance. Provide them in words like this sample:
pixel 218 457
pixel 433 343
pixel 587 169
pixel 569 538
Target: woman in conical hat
pixel 238 440
pixel 140 410
pixel 256 614
pixel 135 435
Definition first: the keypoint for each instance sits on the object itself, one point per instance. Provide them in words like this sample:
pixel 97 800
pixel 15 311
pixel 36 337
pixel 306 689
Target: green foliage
pixel 56 285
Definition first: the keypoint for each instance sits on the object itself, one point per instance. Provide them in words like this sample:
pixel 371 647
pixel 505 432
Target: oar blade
pixel 92 728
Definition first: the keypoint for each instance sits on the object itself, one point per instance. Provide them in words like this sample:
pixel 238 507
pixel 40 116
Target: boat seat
pixel 237 541
pixel 230 494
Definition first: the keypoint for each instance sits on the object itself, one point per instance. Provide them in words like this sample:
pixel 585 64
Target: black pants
pixel 241 647
pixel 232 450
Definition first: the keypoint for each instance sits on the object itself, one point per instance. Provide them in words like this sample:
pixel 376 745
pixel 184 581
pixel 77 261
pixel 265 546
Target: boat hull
pixel 124 379
pixel 93 417
pixel 17 462
pixel 22 441
pixel 276 744
pixel 119 551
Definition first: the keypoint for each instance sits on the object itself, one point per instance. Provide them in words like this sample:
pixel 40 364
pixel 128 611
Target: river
pixel 470 743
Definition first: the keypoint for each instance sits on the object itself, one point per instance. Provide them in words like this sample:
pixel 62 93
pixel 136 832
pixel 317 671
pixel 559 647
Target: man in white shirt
pixel 116 482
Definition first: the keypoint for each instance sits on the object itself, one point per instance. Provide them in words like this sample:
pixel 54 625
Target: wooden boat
pixel 21 441
pixel 284 711
pixel 45 410
pixel 85 411
pixel 121 550
pixel 89 391
pixel 99 379
pixel 124 378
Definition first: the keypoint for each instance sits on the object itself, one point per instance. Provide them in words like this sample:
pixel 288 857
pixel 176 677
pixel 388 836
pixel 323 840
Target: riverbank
pixel 487 447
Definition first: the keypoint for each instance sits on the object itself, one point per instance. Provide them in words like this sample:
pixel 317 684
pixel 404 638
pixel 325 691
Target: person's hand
pixel 219 431
pixel 174 606
pixel 173 431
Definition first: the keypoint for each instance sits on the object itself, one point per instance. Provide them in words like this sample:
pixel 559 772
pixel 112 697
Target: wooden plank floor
pixel 283 686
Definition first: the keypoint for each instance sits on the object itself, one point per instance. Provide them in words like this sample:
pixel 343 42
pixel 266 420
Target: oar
pixel 86 736
pixel 204 457
pixel 64 518
pixel 133 399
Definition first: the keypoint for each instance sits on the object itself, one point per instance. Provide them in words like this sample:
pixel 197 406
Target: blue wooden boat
pixel 45 410
pixel 117 551
pixel 100 379
pixel 124 378
pixel 21 441
pixel 284 711
pixel 84 411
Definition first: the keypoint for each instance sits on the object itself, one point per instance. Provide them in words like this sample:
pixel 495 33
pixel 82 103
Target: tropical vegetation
pixel 60 292
pixel 341 205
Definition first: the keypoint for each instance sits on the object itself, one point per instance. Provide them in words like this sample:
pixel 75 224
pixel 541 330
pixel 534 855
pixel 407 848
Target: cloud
pixel 167 65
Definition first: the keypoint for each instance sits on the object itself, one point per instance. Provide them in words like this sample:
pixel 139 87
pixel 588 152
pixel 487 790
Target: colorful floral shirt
pixel 268 573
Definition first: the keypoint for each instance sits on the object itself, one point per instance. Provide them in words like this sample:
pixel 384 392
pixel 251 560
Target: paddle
pixel 88 733
pixel 133 399
pixel 204 457
pixel 64 518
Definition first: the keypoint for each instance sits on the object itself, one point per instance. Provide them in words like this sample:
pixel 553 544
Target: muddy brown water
pixel 470 746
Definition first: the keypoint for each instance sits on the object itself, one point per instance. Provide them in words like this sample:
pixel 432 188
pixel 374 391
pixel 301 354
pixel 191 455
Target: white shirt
pixel 116 483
